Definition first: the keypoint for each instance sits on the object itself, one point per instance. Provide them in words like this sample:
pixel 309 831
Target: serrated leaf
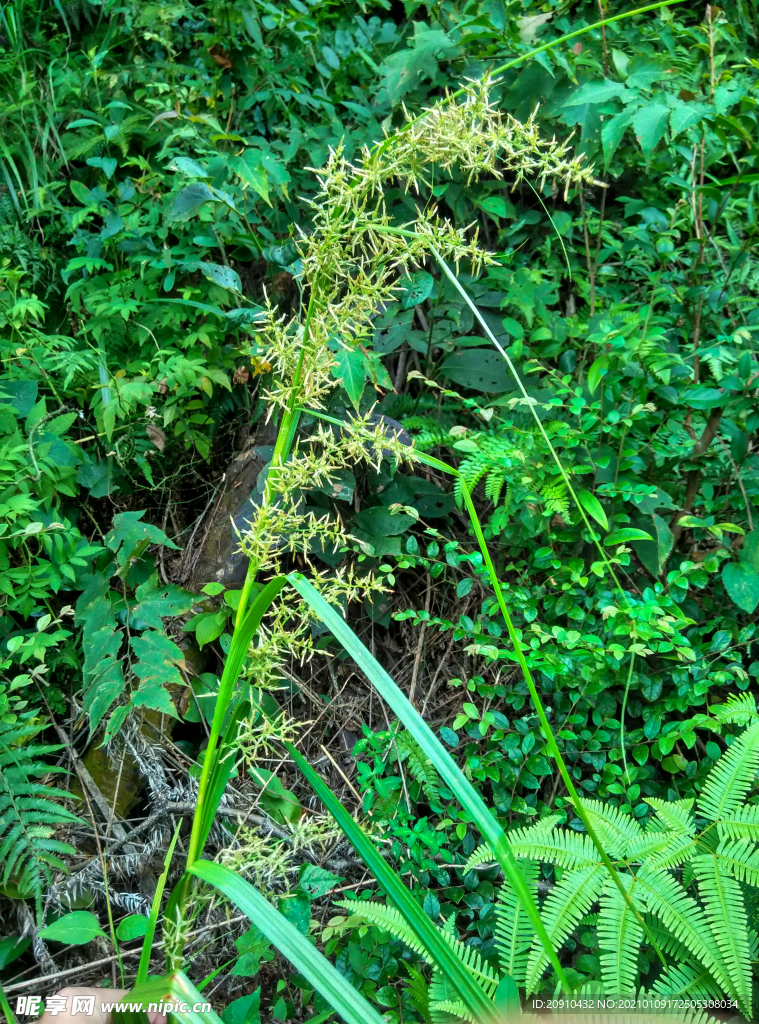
pixel 250 167
pixel 350 371
pixel 742 584
pixel 187 202
pixel 157 601
pixel 685 115
pixel 596 92
pixel 157 669
pixel 650 124
pixel 613 130
pixel 316 881
pixel 129 531
pixel 593 507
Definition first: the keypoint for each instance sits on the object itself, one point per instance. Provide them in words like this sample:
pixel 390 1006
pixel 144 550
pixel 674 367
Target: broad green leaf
pixel 132 927
pixel 404 69
pixel 187 202
pixel 596 372
pixel 11 948
pixel 225 277
pixel 308 961
pixel 158 658
pixel 480 369
pixel 416 288
pixel 750 551
pixel 107 164
pixel 209 628
pixel 650 124
pixel 654 554
pixel 239 317
pixel 103 690
pixel 742 584
pixel 379 522
pixel 643 71
pixel 704 398
pixel 251 169
pixel 349 370
pixel 624 535
pixel 685 115
pixel 128 531
pixel 187 166
pixel 496 206
pixel 613 130
pixel 593 507
pixel 315 881
pixel 244 1010
pixel 596 92
pixel 157 601
pixel 74 929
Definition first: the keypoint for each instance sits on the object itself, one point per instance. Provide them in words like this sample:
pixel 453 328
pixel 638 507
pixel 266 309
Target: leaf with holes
pixel 742 584
pixel 156 601
pixel 416 288
pixel 187 202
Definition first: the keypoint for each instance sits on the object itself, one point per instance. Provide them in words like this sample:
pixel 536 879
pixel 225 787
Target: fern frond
pixel 726 912
pixel 678 850
pixel 419 766
pixel 563 847
pixel 541 830
pixel 682 917
pixel 391 920
pixel 677 815
pixel 615 828
pixel 744 821
pixel 619 937
pixel 563 908
pixel 739 857
pixel 494 484
pixel 29 811
pixel 471 471
pixel 419 992
pixel 482 855
pixel 686 980
pixel 453 1008
pixel 731 777
pixel 514 932
pixel 739 709
pixel 388 919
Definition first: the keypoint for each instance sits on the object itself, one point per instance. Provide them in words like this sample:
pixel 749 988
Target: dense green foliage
pixel 167 299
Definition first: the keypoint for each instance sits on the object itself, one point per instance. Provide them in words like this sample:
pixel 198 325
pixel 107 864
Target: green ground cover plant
pixel 468 291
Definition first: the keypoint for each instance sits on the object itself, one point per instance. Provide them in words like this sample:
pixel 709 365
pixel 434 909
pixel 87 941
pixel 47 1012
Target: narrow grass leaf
pixel 308 961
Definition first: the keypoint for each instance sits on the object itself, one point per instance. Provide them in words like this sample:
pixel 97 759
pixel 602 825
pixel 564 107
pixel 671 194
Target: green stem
pixel 381 147
pixel 282 447
pixel 553 746
pixel 240 637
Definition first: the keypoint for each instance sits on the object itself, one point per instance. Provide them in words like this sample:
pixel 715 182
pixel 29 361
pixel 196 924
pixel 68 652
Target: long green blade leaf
pixel 176 989
pixel 308 961
pixel 446 767
pixel 472 995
